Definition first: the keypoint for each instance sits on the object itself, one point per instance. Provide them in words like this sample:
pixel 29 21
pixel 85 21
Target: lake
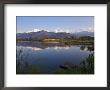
pixel 48 57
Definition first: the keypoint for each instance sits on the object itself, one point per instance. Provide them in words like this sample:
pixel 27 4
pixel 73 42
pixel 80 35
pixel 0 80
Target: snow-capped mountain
pixel 45 34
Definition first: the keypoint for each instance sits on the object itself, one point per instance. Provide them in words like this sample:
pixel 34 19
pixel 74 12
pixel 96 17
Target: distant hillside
pixel 44 34
pixel 84 33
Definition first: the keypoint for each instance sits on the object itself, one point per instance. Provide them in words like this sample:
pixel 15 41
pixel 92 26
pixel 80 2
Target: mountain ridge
pixel 45 34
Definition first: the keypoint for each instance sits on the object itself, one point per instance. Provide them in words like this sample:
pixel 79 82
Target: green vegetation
pixel 23 67
pixel 85 67
pixel 85 40
pixel 26 68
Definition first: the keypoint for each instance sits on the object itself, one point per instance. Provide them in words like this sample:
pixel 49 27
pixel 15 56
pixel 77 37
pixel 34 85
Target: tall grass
pixel 85 67
pixel 22 66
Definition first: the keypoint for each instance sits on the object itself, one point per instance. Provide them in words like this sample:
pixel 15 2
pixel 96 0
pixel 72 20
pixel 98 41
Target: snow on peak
pixel 35 30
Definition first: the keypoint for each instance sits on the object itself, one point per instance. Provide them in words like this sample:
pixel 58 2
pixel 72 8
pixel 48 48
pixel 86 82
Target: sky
pixel 69 24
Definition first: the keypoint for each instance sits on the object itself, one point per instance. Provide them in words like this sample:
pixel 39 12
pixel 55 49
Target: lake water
pixel 48 57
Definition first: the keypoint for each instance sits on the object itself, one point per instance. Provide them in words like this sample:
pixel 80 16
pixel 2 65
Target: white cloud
pixel 35 30
pixel 89 29
pixel 58 30
pixel 67 31
pixel 61 30
pixel 32 30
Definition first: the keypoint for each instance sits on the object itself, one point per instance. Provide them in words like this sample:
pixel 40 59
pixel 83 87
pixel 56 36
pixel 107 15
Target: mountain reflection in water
pixel 47 57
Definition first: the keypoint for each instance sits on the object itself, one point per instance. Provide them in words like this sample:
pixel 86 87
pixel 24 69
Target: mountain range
pixel 45 34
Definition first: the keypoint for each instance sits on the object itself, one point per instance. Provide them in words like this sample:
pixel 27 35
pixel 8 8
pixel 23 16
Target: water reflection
pixel 47 57
pixel 41 45
pixel 87 47
pixel 34 48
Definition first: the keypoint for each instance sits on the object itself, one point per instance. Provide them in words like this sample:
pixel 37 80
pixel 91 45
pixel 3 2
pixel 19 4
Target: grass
pixel 51 40
pixel 26 68
pixel 85 67
pixel 22 66
pixel 67 41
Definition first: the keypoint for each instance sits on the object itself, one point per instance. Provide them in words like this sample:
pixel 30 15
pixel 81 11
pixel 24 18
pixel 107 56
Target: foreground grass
pixel 85 67
pixel 26 68
pixel 23 67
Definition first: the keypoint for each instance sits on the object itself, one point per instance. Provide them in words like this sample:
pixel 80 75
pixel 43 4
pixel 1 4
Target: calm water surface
pixel 49 56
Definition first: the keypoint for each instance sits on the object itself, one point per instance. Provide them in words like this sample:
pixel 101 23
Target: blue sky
pixel 68 24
